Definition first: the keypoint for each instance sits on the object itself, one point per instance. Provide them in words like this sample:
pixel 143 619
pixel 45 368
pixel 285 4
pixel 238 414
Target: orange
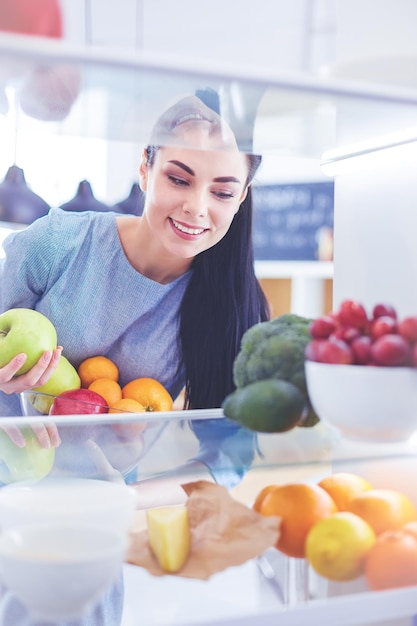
pixel 130 430
pixel 97 367
pixel 343 486
pixel 383 509
pixel 261 496
pixel 127 404
pixel 150 393
pixel 392 561
pixel 108 388
pixel 300 506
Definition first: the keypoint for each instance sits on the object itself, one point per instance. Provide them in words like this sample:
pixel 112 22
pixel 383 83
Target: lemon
pixel 336 546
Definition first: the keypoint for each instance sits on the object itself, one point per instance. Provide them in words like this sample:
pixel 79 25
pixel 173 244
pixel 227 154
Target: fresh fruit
pixel 407 328
pixel 384 309
pixel 32 462
pixel 169 536
pixel 383 509
pixel 269 406
pixel 352 313
pixel 108 388
pixel 383 325
pixel 300 506
pixel 380 340
pixel 148 392
pixel 127 404
pixel 63 379
pixel 336 546
pixel 391 350
pixel 78 402
pixel 362 350
pixel 392 561
pixel 343 487
pixel 261 496
pixel 25 331
pixel 97 367
pixel 322 327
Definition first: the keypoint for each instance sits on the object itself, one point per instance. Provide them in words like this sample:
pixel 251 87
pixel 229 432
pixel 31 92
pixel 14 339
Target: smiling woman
pixel 174 288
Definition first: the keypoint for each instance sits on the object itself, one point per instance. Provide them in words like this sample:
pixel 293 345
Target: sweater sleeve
pixel 25 268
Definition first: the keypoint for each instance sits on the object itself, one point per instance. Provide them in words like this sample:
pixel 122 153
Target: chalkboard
pixel 293 222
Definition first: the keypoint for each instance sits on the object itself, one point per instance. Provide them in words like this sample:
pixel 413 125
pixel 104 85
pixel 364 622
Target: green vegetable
pixel 275 349
pixel 268 406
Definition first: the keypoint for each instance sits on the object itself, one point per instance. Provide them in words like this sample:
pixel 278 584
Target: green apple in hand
pixel 65 377
pixel 29 463
pixel 28 331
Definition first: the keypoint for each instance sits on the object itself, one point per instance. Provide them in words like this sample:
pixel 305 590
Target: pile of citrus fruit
pixel 101 375
pixel 346 528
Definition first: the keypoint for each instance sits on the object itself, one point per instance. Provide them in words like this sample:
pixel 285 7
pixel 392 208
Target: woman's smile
pixel 186 231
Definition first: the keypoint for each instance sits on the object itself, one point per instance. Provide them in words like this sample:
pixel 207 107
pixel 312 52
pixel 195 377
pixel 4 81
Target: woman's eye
pixel 224 195
pixel 180 182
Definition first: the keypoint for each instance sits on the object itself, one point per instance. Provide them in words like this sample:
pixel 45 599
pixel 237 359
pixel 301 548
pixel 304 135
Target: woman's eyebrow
pixel 183 166
pixel 219 179
pixel 226 179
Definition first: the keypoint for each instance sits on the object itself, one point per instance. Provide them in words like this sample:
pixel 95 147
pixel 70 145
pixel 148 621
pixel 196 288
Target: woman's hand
pixel 40 373
pixel 35 377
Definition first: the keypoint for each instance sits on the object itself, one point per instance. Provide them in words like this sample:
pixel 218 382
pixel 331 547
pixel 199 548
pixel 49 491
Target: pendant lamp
pixel 17 202
pixel 133 204
pixel 84 200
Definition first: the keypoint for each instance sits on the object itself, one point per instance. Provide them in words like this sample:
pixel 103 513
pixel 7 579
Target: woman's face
pixel 193 190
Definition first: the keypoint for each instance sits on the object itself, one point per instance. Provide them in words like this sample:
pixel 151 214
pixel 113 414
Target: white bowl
pixel 59 571
pixel 365 402
pixel 75 500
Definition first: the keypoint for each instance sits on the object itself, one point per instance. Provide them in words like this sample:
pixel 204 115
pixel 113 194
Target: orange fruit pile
pixel 346 528
pixel 101 374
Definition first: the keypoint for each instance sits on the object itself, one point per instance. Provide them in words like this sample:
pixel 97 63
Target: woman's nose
pixel 196 205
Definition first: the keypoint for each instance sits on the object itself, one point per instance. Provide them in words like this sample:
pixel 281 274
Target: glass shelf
pixel 91 92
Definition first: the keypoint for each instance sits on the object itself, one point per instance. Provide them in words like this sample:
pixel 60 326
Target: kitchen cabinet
pixel 117 97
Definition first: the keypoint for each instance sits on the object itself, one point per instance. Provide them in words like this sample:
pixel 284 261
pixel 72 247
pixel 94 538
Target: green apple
pixel 64 378
pixel 29 463
pixel 28 331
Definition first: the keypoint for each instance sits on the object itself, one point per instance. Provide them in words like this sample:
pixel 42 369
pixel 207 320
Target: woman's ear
pixel 143 171
pixel 244 194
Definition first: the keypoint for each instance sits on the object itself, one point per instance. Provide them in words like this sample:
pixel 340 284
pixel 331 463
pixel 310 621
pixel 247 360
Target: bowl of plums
pixel 361 371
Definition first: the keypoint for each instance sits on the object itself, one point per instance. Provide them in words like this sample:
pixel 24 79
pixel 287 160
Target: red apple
pixel 361 348
pixel 383 325
pixel 407 328
pixel 380 310
pixel 352 313
pixel 391 350
pixel 313 350
pixel 78 402
pixel 322 327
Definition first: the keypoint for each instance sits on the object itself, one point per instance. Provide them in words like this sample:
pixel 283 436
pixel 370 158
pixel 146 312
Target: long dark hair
pixel 223 300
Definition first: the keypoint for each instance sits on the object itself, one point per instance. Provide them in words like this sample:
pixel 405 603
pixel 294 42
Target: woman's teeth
pixel 188 231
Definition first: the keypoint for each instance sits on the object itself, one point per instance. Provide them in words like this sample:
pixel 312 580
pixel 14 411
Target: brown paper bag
pixel 224 533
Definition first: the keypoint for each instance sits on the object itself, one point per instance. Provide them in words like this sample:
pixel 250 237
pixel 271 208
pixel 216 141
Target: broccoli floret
pixel 273 349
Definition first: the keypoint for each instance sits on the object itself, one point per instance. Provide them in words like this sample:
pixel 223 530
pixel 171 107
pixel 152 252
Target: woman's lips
pixel 187 231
